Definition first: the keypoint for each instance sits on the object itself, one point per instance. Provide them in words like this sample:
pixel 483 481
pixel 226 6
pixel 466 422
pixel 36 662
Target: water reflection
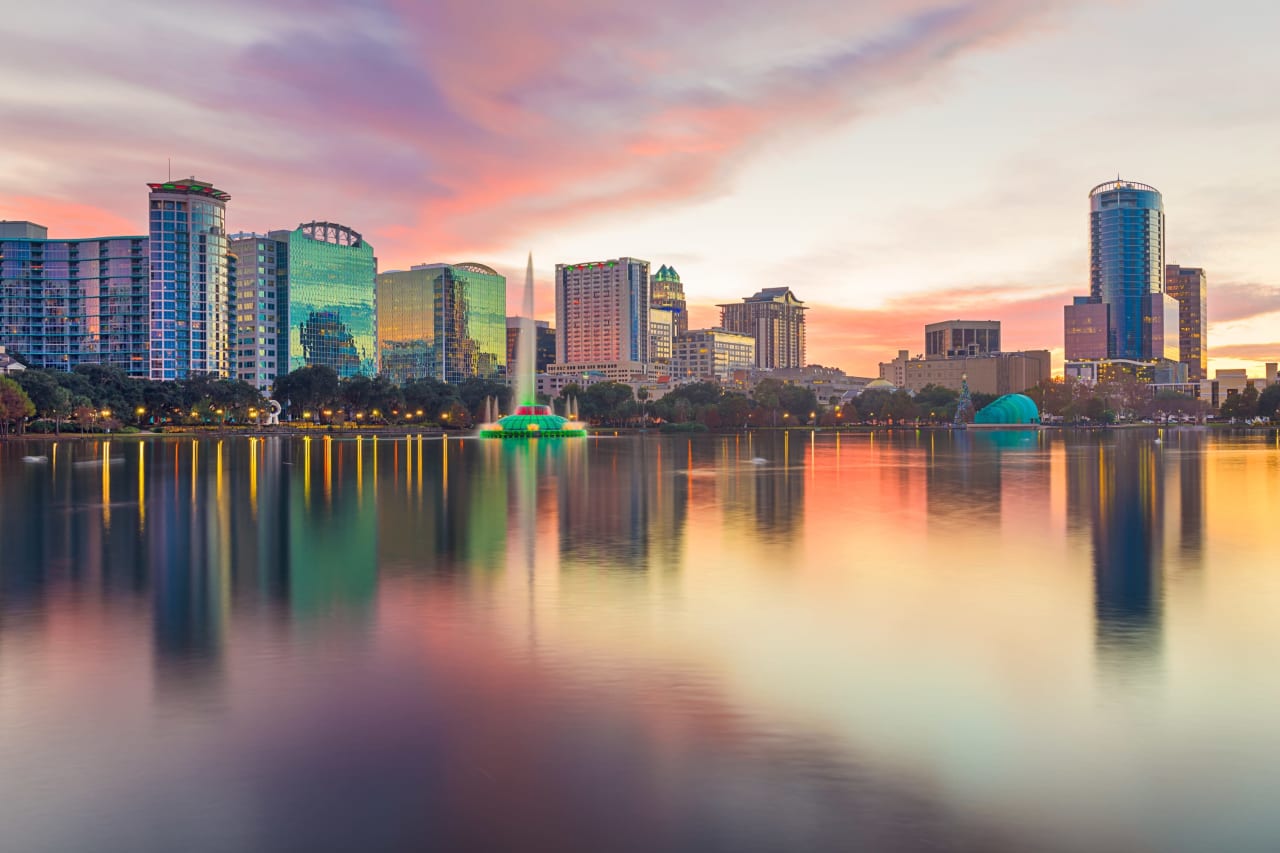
pixel 783 641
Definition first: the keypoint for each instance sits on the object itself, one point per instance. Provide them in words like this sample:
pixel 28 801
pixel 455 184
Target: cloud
pixel 1240 301
pixel 453 127
pixel 1249 352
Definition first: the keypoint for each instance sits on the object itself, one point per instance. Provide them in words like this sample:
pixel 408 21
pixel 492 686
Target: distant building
pixel 824 382
pixel 667 291
pixel 333 316
pixel 711 354
pixel 662 334
pixel 1127 306
pixel 955 338
pixel 69 302
pixel 442 321
pixel 191 299
pixel 992 373
pixel 602 315
pixel 544 344
pixel 1114 369
pixel 1188 285
pixel 1085 325
pixel 1126 260
pixel 262 308
pixel 775 318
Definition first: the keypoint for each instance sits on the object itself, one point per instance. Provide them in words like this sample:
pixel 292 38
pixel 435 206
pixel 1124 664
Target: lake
pixel 892 641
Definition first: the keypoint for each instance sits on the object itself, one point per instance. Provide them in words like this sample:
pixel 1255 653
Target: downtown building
pixel 261 308
pixel 702 355
pixel 667 293
pixel 304 298
pixel 602 320
pixel 442 321
pixel 544 344
pixel 957 351
pixel 1188 285
pixel 192 294
pixel 775 319
pixel 78 301
pixel 1127 324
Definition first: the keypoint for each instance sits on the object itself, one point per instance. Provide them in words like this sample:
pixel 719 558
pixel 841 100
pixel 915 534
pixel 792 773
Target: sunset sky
pixel 894 163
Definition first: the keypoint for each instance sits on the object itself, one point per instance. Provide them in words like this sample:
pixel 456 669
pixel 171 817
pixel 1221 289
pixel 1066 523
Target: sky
pixel 893 163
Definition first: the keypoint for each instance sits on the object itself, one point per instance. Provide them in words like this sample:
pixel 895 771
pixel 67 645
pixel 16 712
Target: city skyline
pixel 818 157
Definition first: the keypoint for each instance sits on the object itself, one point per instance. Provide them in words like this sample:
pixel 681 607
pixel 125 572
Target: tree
pixel 430 397
pixel 15 406
pixel 605 401
pixel 47 394
pixel 1241 405
pixel 1269 401
pixel 308 388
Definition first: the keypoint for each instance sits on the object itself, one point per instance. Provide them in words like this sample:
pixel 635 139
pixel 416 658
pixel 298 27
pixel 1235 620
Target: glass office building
pixel 332 308
pixel 1126 262
pixel 442 321
pixel 69 302
pixel 191 298
pixel 261 309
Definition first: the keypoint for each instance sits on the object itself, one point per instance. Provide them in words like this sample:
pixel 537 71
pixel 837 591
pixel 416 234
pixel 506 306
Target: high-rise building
pixel 1126 261
pixel 69 302
pixel 775 318
pixel 711 354
pixel 663 321
pixel 1188 286
pixel 262 308
pixel 191 297
pixel 332 307
pixel 544 344
pixel 442 321
pixel 602 314
pixel 955 338
pixel 667 291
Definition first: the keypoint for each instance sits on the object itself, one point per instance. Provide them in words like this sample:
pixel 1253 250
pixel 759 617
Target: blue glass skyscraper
pixel 1126 265
pixel 191 293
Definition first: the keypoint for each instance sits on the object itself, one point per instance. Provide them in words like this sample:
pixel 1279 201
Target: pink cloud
pixel 455 128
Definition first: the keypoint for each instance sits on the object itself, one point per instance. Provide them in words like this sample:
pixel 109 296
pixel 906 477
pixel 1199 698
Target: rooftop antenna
pixel 170 161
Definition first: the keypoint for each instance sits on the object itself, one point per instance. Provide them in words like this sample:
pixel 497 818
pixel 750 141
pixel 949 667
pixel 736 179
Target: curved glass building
pixel 1126 263
pixel 332 312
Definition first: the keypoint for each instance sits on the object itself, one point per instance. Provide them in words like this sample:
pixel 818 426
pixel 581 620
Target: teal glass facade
pixel 442 321
pixel 332 306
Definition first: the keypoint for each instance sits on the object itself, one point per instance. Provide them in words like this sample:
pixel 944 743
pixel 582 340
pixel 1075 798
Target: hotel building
pixel 602 316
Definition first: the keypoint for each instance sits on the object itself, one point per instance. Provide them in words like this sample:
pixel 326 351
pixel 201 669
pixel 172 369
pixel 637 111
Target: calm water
pixel 907 641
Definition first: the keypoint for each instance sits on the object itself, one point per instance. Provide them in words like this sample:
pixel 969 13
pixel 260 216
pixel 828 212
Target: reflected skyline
pixel 907 637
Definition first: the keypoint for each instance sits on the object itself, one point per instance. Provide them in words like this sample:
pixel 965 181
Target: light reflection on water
pixel 894 641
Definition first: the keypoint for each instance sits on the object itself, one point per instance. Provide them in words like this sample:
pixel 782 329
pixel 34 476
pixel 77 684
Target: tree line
pixel 97 397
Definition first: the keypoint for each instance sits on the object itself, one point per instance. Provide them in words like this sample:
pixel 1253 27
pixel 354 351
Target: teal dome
pixel 1011 409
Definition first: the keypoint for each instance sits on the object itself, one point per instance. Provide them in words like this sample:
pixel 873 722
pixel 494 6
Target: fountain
pixel 531 419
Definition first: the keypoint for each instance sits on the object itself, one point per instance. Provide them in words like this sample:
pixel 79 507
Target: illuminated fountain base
pixel 533 422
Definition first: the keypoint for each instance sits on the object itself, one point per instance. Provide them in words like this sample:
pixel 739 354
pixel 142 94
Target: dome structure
pixel 1009 410
pixel 880 385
